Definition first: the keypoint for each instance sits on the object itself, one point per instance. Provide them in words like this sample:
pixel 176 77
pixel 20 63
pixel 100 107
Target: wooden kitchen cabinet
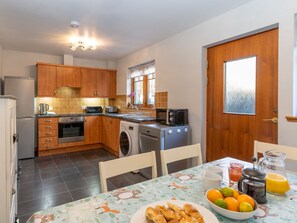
pixel 46 80
pixel 110 133
pixel 68 77
pixel 47 133
pixel 92 129
pixel 98 83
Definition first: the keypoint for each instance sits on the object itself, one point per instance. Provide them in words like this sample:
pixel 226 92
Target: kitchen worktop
pixel 127 117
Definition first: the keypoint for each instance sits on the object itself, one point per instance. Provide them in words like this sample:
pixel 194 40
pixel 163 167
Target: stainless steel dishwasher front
pixel 157 137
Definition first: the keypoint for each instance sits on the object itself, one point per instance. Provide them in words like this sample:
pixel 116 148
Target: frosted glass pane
pixel 240 86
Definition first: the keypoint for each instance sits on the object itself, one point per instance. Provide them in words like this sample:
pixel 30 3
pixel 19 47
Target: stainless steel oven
pixel 71 129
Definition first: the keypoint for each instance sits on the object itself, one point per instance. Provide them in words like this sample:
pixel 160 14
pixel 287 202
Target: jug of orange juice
pixel 273 164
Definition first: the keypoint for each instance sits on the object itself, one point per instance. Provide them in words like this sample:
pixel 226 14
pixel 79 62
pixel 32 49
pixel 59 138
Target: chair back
pixel 180 153
pixel 127 164
pixel 262 147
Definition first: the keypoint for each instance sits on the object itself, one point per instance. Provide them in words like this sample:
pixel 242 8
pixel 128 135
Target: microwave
pixel 172 116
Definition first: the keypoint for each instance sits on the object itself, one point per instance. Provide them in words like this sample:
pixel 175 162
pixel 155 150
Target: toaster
pixel 111 109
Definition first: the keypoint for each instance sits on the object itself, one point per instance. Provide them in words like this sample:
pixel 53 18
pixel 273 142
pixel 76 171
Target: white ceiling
pixel 124 26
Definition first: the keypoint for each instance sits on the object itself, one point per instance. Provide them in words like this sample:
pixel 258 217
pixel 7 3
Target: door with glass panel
pixel 241 95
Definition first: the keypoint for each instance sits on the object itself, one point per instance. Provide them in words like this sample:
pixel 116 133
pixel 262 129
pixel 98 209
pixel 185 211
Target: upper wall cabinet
pixel 93 82
pixel 68 77
pixel 46 80
pixel 98 83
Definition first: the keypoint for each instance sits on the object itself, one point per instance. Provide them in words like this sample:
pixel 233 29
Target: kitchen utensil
pixel 273 164
pixel 43 108
pixel 235 171
pixel 253 183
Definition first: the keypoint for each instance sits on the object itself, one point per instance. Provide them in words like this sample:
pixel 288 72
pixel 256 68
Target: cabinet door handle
pixel 54 92
pixel 13 191
pixel 48 127
pixel 49 120
pixel 49 133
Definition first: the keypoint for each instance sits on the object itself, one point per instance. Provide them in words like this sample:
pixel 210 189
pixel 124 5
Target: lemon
pixel 221 203
pixel 227 191
pixel 245 207
pixel 276 183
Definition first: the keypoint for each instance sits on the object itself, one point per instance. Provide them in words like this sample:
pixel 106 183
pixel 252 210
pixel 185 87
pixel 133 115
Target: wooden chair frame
pixel 123 165
pixel 261 147
pixel 180 153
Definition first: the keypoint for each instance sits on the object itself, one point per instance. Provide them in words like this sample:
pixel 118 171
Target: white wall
pixel 18 63
pixel 0 62
pixel 181 59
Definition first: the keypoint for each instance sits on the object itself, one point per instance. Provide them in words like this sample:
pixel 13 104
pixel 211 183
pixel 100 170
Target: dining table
pixel 120 205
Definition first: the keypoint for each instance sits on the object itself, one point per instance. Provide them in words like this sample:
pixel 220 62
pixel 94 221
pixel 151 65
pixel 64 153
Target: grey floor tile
pixel 85 192
pixel 67 171
pixel 52 181
pixel 76 184
pixel 94 180
pixel 71 177
pixel 90 173
pixel 50 174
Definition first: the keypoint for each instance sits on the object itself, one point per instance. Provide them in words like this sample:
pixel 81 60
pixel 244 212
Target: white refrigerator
pixel 23 88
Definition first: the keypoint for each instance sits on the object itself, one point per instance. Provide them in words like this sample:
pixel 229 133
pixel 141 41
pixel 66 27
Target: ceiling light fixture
pixel 84 45
pixel 81 42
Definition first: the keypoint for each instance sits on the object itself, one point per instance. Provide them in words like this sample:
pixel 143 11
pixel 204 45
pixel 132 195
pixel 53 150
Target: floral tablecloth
pixel 120 205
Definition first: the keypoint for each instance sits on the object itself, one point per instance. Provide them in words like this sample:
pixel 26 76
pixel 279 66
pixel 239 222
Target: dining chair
pixel 180 153
pixel 127 164
pixel 261 147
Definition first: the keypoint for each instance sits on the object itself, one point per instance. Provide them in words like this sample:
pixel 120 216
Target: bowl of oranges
pixel 231 203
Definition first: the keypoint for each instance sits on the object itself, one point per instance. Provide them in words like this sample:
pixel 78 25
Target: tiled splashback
pixel 68 101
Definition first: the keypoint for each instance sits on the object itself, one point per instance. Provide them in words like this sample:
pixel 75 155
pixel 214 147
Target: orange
pixel 235 194
pixel 232 204
pixel 246 198
pixel 212 195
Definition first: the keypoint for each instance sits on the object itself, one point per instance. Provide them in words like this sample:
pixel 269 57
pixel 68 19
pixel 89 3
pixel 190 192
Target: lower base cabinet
pixel 92 129
pixel 110 133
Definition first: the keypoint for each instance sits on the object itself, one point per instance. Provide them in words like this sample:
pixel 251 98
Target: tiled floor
pixel 55 180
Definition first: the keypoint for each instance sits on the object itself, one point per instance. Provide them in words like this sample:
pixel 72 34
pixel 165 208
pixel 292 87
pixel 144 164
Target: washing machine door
pixel 125 144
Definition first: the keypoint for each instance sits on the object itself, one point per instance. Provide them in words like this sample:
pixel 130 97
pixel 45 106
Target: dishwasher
pixel 157 137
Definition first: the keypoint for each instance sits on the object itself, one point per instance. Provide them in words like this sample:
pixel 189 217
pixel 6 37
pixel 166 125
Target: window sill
pixel 291 118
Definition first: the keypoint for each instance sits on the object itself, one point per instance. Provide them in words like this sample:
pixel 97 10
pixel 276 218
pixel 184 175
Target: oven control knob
pixel 170 113
pixel 171 119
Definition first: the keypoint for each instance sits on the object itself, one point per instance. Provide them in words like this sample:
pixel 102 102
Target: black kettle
pixel 253 183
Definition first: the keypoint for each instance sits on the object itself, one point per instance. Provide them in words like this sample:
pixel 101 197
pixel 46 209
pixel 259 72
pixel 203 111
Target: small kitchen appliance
pixel 111 109
pixel 43 108
pixel 93 109
pixel 253 183
pixel 172 117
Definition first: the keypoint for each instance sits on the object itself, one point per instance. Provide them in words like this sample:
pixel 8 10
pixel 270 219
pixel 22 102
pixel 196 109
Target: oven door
pixel 71 132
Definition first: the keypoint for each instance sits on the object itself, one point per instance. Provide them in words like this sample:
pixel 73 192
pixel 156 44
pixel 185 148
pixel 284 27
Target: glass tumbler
pixel 235 172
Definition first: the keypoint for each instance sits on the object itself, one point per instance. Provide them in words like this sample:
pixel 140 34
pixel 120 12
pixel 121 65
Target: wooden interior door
pixel 233 134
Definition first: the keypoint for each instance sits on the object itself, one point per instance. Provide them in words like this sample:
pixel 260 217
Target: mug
pixel 214 169
pixel 211 180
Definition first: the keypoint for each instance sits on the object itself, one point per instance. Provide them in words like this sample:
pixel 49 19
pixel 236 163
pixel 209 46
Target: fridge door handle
pixel 25 117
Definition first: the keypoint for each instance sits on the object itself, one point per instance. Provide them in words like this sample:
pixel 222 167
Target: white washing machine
pixel 128 139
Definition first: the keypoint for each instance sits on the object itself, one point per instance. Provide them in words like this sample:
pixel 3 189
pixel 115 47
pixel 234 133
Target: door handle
pixel 274 120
